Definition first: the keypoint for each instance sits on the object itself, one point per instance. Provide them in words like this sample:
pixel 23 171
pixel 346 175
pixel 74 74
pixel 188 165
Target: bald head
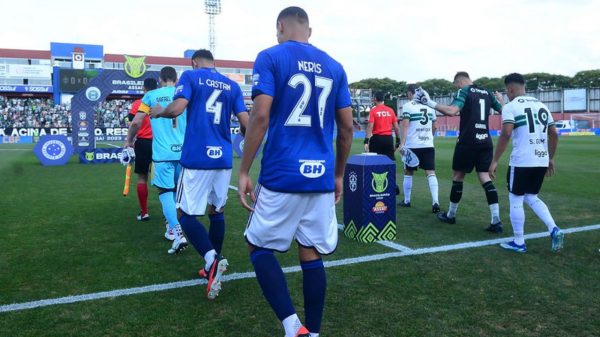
pixel 293 24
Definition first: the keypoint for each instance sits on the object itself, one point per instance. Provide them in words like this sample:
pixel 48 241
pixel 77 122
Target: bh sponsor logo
pixel 214 152
pixel 312 168
pixel 176 148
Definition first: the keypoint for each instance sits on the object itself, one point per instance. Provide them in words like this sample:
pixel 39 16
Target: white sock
pixel 433 188
pixel 517 217
pixel 495 212
pixel 291 324
pixel 209 257
pixel 541 210
pixel 312 334
pixel 407 188
pixel 452 210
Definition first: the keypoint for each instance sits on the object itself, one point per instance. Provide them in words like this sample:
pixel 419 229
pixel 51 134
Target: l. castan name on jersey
pixel 215 84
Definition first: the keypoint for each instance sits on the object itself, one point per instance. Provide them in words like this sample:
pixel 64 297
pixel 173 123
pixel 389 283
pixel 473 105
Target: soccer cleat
pixel 557 237
pixel 302 332
pixel 435 208
pixel 143 217
pixel 514 247
pixel 443 216
pixel 218 267
pixel 178 245
pixel 495 228
pixel 404 204
pixel 169 235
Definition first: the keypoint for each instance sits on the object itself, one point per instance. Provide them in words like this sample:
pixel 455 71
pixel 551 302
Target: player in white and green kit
pixel 534 141
pixel 418 128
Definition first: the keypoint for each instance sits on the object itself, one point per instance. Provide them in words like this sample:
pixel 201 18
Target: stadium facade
pixel 66 68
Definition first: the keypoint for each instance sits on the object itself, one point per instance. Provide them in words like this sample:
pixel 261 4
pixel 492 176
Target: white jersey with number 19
pixel 531 119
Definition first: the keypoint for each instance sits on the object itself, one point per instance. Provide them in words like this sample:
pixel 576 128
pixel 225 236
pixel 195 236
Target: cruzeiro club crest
pixel 135 66
pixel 89 156
pixel 379 182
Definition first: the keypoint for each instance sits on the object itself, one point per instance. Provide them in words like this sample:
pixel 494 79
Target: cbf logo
pixel 93 94
pixel 379 182
pixel 312 168
pixel 353 181
pixel 135 66
pixel 82 116
pixel 214 152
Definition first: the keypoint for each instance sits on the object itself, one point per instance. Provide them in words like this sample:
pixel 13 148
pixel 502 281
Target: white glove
pixel 422 97
pixel 127 156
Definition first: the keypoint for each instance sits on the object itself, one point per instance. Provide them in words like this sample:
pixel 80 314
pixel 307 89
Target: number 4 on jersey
pixel 214 107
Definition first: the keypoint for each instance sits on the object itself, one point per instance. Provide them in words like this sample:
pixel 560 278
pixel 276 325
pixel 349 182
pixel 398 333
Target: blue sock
pixel 315 282
pixel 216 233
pixel 169 208
pixel 196 233
pixel 272 282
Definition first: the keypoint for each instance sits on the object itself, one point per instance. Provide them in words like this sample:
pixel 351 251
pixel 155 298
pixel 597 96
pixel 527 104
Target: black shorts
pixel 143 155
pixel 426 157
pixel 382 145
pixel 525 180
pixel 467 157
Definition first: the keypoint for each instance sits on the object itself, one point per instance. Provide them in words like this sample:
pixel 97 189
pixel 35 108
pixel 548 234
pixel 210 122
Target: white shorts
pixel 278 218
pixel 198 188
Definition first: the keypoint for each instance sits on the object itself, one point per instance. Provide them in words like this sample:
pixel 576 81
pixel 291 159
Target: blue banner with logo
pixel 53 150
pixel 101 156
pixel 370 198
pixel 85 102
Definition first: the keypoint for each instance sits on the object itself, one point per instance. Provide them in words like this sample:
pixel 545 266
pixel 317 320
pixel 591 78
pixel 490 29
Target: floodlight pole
pixel 212 8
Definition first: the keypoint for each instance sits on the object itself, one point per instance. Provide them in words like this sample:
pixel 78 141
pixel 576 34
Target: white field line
pixel 109 144
pixel 16 149
pixel 246 275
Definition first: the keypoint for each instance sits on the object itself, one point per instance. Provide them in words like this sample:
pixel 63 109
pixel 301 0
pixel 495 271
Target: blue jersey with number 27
pixel 307 87
pixel 212 97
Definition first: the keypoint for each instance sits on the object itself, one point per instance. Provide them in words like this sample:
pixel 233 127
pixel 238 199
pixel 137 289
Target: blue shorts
pixel 166 174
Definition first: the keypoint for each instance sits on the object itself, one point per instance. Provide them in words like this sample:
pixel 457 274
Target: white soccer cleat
pixel 169 235
pixel 178 245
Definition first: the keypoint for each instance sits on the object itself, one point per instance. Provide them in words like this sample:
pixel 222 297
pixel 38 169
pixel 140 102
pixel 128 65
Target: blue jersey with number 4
pixel 307 87
pixel 167 133
pixel 212 97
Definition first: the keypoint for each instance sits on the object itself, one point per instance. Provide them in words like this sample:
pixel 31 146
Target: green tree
pixel 490 83
pixel 386 85
pixel 587 79
pixel 438 87
pixel 535 81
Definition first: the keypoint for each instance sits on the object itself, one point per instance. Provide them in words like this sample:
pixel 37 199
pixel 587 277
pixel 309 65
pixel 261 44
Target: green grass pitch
pixel 68 231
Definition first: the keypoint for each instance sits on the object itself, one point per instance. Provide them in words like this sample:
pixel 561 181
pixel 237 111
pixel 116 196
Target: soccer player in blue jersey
pixel 166 152
pixel 206 158
pixel 299 92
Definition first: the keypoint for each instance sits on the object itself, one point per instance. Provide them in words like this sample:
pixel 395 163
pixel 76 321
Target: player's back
pixel 307 87
pixel 212 97
pixel 168 133
pixel 474 115
pixel 421 118
pixel 531 120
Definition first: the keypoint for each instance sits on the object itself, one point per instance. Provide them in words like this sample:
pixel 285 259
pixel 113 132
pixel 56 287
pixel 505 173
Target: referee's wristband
pixel 367 140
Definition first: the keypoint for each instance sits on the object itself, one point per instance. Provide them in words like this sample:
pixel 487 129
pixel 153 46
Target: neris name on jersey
pixel 310 67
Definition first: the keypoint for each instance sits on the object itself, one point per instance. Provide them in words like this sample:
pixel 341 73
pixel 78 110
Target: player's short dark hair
pixel 461 74
pixel 293 12
pixel 168 74
pixel 412 88
pixel 150 84
pixel 514 78
pixel 379 96
pixel 203 54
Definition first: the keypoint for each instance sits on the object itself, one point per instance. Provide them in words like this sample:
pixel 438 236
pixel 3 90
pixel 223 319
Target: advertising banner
pixel 16 140
pixel 37 71
pixel 575 100
pixel 41 89
pixel 370 198
pixel 101 156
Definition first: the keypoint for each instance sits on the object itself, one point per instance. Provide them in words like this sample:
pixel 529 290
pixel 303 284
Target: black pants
pixel 382 145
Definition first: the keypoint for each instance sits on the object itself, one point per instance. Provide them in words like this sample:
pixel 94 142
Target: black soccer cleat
pixel 404 204
pixel 435 208
pixel 495 228
pixel 442 216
